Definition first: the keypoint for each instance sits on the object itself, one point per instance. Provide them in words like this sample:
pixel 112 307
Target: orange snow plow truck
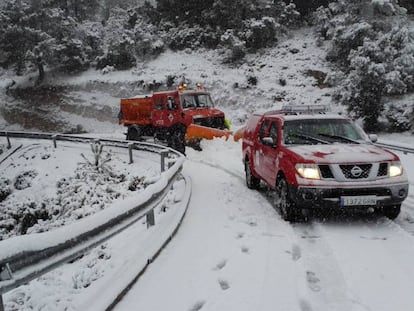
pixel 178 117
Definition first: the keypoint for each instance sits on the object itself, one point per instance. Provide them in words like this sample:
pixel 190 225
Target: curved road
pixel 234 252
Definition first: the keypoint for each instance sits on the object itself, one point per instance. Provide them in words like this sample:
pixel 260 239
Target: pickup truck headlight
pixel 395 169
pixel 309 171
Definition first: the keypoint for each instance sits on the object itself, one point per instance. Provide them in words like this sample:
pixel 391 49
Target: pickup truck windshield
pixel 194 101
pixel 317 131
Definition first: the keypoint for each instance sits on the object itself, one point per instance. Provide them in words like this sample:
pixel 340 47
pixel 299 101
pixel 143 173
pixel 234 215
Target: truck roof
pixel 288 117
pixel 301 112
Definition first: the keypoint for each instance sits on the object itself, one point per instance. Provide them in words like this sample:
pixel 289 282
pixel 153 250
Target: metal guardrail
pixel 405 150
pixel 40 253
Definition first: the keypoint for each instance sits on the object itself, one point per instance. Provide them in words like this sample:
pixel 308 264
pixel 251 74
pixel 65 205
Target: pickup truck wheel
pixel 283 201
pixel 391 211
pixel 252 182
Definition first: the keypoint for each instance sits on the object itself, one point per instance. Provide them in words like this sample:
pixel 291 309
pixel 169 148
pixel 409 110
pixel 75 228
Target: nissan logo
pixel 356 171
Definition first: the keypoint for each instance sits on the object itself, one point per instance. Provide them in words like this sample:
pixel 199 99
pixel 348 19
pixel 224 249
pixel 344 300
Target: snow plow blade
pixel 197 132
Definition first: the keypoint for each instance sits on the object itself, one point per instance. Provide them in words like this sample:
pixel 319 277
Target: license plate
pixel 359 200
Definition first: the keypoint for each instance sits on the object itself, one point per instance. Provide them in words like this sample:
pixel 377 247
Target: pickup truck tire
pixel 391 211
pixel 252 182
pixel 283 201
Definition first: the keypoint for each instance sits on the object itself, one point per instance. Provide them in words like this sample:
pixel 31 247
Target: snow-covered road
pixel 234 252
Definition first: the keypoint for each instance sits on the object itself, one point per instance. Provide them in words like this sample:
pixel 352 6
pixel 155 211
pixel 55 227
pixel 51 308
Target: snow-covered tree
pixel 33 33
pixel 375 49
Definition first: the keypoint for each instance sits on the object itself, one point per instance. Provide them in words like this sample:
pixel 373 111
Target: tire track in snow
pixel 375 257
pixel 267 274
pixel 314 292
pixel 326 286
pixel 324 280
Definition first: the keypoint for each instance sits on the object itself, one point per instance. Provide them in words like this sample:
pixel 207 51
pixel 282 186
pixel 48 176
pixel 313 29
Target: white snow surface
pixel 233 251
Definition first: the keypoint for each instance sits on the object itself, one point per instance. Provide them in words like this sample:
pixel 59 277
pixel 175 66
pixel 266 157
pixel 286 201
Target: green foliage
pixel 400 117
pixel 37 34
pixel 260 33
pixel 308 6
pixel 252 24
pixel 375 49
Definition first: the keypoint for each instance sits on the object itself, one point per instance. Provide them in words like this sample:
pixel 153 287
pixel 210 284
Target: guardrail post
pixel 54 141
pixel 131 158
pixel 5 272
pixel 150 218
pixel 8 140
pixel 164 155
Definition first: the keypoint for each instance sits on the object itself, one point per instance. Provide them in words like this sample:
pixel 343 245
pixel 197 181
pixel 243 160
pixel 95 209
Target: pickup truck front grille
pixel 383 169
pixel 356 171
pixel 353 171
pixel 325 171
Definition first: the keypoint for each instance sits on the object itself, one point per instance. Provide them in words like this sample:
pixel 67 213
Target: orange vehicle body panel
pixel 137 110
pixel 195 132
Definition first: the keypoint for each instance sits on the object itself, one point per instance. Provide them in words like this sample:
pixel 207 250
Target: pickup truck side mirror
pixel 373 138
pixel 268 141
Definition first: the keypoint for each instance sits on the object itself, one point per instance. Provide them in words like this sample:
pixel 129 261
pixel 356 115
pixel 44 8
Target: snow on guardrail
pixel 23 258
pixel 396 148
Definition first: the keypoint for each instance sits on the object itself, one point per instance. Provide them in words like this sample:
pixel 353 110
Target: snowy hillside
pixel 292 72
pixel 233 251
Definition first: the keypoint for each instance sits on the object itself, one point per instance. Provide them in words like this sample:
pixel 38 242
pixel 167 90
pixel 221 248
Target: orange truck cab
pixel 177 116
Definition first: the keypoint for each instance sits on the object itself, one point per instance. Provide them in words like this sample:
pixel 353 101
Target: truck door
pixel 166 112
pixel 259 150
pixel 270 148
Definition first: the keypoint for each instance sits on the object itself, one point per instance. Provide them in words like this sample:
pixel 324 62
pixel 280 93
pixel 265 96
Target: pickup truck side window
pixel 273 132
pixel 263 128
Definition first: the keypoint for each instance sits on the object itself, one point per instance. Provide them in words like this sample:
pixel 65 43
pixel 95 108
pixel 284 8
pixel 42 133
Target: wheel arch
pixel 248 157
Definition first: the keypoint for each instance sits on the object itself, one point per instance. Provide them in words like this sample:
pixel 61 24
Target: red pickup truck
pixel 313 160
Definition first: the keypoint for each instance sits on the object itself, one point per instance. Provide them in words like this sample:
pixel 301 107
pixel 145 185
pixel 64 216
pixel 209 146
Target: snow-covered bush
pixel 92 35
pixel 374 50
pixel 137 183
pixel 400 117
pixel 24 180
pixel 306 6
pixel 347 39
pixel 120 55
pixel 259 33
pixel 408 5
pixel 387 7
pixel 186 36
pixel 119 49
pixel 93 186
pixel 255 23
pixel 5 189
pixel 234 48
pixel 362 90
pixel 286 14
pixel 73 55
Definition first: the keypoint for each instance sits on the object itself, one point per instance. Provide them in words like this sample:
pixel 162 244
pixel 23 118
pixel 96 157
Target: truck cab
pixel 314 160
